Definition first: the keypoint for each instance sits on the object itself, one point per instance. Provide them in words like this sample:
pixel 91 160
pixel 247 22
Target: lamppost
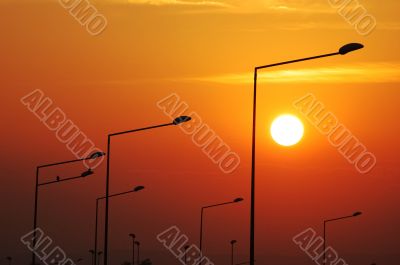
pixel 9 258
pixel 342 51
pixel 138 252
pixel 133 236
pixel 355 214
pixel 99 254
pixel 92 254
pixel 186 247
pixel 201 217
pixel 233 242
pixel 136 189
pixel 176 121
pixel 92 156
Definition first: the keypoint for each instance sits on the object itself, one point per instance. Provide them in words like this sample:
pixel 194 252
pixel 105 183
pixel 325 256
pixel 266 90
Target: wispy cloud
pixel 366 73
pixel 180 3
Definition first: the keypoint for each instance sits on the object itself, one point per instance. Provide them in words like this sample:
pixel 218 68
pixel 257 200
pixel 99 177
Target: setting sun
pixel 287 130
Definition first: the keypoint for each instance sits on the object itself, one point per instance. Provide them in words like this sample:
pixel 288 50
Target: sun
pixel 287 130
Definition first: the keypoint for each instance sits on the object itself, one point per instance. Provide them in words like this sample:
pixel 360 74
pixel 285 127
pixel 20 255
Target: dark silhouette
pixel 233 242
pixel 176 121
pixel 342 51
pixel 201 218
pixel 92 156
pixel 135 189
pixel 355 214
pixel 92 255
pixel 146 262
pixel 133 236
pixel 185 256
pixel 9 260
pixel 138 251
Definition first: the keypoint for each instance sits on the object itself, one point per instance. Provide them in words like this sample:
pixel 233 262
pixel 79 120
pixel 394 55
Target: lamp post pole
pixel 331 220
pixel 37 184
pixel 176 121
pixel 201 218
pixel 342 51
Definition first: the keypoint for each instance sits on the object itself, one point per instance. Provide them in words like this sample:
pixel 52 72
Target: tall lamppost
pixel 355 214
pixel 176 121
pixel 9 258
pixel 133 236
pixel 37 184
pixel 233 242
pixel 201 217
pixel 99 254
pixel 138 252
pixel 136 189
pixel 342 51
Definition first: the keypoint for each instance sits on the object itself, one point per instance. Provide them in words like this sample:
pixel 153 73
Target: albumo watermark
pixel 65 130
pixel 45 250
pixel 86 14
pixel 311 244
pixel 177 244
pixel 355 14
pixel 338 135
pixel 202 135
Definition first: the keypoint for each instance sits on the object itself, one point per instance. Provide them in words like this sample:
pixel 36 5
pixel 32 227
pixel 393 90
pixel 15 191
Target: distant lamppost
pixel 233 242
pixel 185 257
pixel 176 121
pixel 99 254
pixel 37 184
pixel 201 217
pixel 342 51
pixel 133 236
pixel 136 189
pixel 138 252
pixel 92 255
pixel 336 219
pixel 9 260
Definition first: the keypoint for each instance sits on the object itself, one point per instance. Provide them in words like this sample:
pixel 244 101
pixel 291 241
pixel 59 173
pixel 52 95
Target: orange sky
pixel 204 51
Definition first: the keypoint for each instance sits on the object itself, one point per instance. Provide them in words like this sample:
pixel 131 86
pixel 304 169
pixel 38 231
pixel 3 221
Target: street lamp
pixel 92 156
pixel 342 51
pixel 92 254
pixel 176 121
pixel 186 247
pixel 99 254
pixel 233 242
pixel 355 214
pixel 9 258
pixel 133 236
pixel 201 217
pixel 135 189
pixel 138 252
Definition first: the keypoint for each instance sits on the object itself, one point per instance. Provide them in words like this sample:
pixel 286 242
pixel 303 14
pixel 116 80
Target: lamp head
pixel 138 188
pixel 132 235
pixel 137 243
pixel 350 48
pixel 233 242
pixel 238 200
pixel 181 119
pixel 87 173
pixel 96 155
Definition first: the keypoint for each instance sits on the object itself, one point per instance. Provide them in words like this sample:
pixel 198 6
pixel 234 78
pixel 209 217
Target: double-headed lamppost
pixel 335 219
pixel 37 184
pixel 136 189
pixel 233 242
pixel 176 121
pixel 201 217
pixel 133 236
pixel 342 51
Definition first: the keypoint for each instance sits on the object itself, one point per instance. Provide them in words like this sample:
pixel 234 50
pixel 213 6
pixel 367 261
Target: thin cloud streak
pixel 368 73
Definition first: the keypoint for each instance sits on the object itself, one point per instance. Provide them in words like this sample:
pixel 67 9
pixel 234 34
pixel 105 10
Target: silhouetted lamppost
pixel 233 242
pixel 92 254
pixel 342 51
pixel 176 121
pixel 133 236
pixel 37 184
pixel 201 217
pixel 185 256
pixel 9 260
pixel 336 219
pixel 136 189
pixel 99 254
pixel 138 252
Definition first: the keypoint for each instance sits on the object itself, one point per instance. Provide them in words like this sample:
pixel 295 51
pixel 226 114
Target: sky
pixel 205 53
